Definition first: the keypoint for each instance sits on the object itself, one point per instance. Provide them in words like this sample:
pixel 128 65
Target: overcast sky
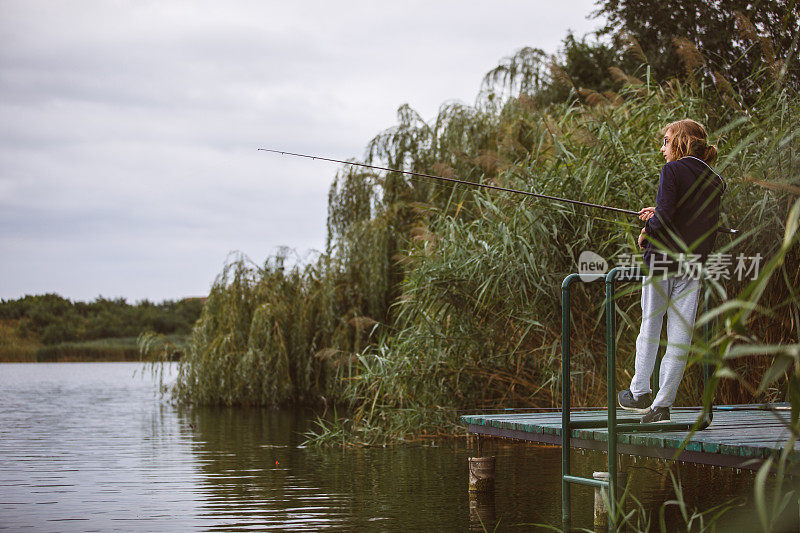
pixel 129 129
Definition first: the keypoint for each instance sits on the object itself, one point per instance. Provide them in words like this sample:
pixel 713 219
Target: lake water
pixel 91 447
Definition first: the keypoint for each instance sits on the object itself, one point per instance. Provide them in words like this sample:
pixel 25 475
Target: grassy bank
pixel 121 349
pixel 15 348
pixel 115 349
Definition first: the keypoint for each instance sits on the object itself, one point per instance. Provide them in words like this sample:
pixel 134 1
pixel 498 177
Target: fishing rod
pixel 474 184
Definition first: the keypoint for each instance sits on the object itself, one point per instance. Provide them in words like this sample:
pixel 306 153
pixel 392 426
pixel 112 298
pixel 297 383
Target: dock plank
pixel 735 437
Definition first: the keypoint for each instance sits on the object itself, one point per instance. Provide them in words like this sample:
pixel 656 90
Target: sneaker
pixel 626 401
pixel 656 414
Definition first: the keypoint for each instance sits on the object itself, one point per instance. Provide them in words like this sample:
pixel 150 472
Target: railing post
pixel 611 395
pixel 565 400
pixel 611 423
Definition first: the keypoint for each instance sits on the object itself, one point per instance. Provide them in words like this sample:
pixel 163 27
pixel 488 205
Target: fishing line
pixel 453 180
pixel 473 184
pixel 455 188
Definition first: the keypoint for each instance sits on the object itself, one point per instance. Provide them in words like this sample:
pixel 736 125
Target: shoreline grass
pixel 119 349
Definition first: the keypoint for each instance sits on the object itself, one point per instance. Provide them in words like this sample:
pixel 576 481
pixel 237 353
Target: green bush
pixel 52 319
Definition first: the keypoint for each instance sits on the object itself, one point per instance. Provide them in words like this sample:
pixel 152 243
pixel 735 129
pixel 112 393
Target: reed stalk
pixel 429 299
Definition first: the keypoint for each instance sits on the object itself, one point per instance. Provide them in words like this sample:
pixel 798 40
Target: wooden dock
pixel 739 436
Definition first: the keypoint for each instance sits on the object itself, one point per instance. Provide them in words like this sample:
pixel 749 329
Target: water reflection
pixel 253 473
pixel 482 511
pixel 86 446
pixel 259 475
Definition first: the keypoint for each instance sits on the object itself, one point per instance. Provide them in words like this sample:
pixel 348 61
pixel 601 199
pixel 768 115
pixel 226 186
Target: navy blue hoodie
pixel 687 211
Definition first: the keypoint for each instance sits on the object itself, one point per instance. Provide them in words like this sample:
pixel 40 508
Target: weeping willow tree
pixel 431 298
pixel 477 321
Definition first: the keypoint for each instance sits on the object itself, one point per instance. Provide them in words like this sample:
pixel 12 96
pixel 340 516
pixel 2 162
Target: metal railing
pixel 612 423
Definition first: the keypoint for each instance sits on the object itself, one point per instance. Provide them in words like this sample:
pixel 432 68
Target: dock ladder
pixel 615 425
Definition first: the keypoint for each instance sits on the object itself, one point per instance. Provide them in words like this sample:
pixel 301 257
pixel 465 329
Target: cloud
pixel 128 160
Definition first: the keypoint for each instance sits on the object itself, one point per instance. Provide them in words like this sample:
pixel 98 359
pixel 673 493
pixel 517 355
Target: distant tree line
pixel 53 319
pixel 718 44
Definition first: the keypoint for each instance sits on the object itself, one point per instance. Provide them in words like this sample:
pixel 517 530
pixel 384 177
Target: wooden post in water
pixel 600 509
pixel 481 474
pixel 481 493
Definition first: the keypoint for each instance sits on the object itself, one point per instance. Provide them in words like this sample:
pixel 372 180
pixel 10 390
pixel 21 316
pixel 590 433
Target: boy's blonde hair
pixel 690 138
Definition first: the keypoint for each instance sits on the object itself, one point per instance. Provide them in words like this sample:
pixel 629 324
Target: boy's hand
pixel 646 213
pixel 642 237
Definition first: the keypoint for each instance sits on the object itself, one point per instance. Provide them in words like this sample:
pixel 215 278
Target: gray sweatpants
pixel 677 297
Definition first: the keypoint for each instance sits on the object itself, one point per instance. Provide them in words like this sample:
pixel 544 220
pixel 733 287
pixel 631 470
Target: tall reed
pixel 430 298
pixel 477 321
